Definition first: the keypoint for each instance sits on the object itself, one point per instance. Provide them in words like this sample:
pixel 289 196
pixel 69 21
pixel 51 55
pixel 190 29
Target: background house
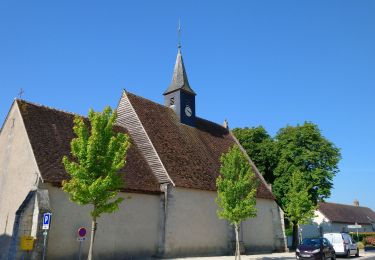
pixel 333 217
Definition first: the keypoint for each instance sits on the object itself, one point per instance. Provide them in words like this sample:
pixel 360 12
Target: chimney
pixel 225 124
pixel 356 203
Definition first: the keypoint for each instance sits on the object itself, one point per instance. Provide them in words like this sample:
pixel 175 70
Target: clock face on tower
pixel 188 111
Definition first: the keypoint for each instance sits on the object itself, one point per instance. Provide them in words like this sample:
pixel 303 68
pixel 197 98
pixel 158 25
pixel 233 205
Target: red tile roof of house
pixel 347 213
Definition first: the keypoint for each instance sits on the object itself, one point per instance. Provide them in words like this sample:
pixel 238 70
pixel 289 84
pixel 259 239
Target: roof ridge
pixel 212 122
pixel 156 103
pixel 347 205
pixel 165 107
pixel 48 107
pixel 60 110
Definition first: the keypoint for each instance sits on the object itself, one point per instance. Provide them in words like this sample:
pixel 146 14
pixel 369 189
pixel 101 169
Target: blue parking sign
pixel 46 220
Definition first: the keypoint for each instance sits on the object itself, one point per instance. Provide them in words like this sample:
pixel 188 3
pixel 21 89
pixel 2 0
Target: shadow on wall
pixel 4 246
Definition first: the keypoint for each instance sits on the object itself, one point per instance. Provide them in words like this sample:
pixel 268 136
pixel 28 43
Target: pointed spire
pixel 179 78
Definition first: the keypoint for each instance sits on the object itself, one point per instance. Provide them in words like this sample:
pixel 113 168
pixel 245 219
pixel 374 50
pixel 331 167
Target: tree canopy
pixel 236 187
pixel 97 154
pixel 294 148
pixel 300 208
pixel 260 147
pixel 299 162
pixel 303 148
pixel 236 190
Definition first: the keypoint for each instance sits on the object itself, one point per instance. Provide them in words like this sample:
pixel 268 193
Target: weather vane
pixel 21 93
pixel 179 33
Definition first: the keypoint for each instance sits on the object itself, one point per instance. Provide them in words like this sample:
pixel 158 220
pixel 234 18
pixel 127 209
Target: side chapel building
pixel 170 174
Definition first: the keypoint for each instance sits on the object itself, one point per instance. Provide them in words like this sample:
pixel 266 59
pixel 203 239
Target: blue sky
pixel 269 63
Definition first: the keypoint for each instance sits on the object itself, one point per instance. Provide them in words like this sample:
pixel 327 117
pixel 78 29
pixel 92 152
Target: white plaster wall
pixel 319 217
pixel 259 233
pixel 192 225
pixel 18 169
pixel 193 228
pixel 131 231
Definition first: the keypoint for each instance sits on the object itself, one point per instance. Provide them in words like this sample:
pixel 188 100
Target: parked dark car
pixel 315 248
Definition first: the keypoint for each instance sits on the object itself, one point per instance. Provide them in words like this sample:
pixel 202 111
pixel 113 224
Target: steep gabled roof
pixel 190 155
pixel 187 156
pixel 347 213
pixel 50 132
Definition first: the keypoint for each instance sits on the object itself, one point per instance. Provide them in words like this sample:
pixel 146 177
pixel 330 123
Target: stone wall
pixel 18 169
pixel 22 227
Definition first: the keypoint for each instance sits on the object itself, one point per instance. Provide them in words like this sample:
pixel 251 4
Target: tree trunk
pixel 295 235
pixel 238 253
pixel 93 231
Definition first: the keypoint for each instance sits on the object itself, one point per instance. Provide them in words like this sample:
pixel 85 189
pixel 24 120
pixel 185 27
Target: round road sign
pixel 82 232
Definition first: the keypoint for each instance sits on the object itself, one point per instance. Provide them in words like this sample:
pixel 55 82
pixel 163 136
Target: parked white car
pixel 343 244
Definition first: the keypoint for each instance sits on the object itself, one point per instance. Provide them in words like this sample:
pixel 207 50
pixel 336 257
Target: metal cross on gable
pixel 21 93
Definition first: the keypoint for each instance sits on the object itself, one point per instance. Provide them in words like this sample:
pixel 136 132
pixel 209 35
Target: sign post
pixel 45 227
pixel 356 226
pixel 81 237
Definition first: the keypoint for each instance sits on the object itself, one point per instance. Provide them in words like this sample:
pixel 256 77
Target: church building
pixel 169 207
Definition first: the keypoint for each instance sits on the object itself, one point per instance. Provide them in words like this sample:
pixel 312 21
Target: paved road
pixel 274 256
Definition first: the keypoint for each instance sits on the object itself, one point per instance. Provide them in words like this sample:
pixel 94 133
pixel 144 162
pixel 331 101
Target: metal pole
pixel 44 245
pixel 80 250
pixel 357 236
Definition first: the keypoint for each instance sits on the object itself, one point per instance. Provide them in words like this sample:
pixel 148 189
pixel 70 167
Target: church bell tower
pixel 179 95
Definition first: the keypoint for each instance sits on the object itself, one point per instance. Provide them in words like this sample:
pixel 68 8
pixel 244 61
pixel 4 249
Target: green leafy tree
pixel 300 148
pixel 303 149
pixel 236 190
pixel 260 147
pixel 300 208
pixel 98 153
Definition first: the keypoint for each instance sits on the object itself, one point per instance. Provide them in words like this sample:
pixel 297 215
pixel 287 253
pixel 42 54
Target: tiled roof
pixel 50 133
pixel 191 155
pixel 347 213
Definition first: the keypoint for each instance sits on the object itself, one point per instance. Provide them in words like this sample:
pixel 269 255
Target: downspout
pixel 163 218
